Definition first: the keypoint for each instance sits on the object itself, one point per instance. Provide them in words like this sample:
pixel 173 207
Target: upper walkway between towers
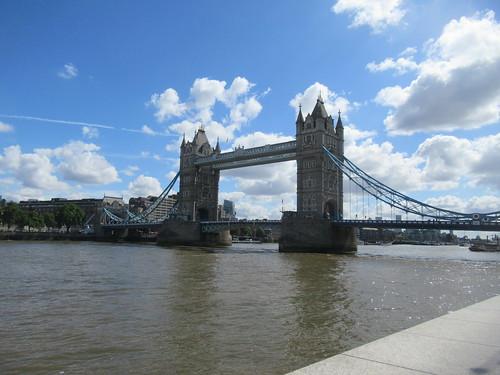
pixel 242 157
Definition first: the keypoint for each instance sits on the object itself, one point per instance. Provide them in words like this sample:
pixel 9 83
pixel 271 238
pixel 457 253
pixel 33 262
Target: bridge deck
pixel 469 225
pixel 466 341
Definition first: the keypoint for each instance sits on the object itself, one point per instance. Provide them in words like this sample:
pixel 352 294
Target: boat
pixel 489 246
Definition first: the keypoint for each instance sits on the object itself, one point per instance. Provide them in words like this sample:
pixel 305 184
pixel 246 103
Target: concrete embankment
pixel 466 341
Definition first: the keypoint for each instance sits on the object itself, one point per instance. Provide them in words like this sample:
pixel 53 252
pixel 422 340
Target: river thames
pixel 105 308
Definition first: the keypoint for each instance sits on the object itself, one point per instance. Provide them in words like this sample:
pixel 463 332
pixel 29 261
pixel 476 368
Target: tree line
pixel 67 216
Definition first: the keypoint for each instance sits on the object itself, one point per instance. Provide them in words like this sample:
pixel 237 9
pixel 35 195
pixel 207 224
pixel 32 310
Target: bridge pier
pixel 189 233
pixel 315 234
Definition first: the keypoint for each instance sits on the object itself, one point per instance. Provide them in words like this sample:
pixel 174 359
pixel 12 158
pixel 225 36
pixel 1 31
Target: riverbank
pixel 72 236
pixel 46 236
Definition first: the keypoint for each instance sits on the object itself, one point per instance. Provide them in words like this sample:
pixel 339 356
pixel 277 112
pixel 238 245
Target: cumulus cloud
pixel 81 162
pixel 376 14
pixel 143 186
pixel 32 170
pixel 242 107
pixel 454 88
pixel 69 71
pixel 6 128
pixel 480 204
pixel 90 132
pixel 167 104
pixel 308 98
pixel 401 65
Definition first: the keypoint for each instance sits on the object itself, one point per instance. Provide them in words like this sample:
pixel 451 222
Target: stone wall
pixel 314 234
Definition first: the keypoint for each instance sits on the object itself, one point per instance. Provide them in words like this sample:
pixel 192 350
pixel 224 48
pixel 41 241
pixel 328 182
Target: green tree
pixel 49 220
pixel 246 231
pixel 9 214
pixel 35 220
pixel 69 215
pixel 21 219
pixel 259 233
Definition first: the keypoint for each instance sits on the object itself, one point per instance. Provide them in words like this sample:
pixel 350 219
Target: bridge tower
pixel 319 185
pixel 198 186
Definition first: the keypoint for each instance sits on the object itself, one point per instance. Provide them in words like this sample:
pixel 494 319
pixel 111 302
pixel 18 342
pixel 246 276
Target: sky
pixel 95 96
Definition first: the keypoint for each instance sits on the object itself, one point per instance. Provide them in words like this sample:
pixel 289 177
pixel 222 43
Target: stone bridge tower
pixel 319 185
pixel 198 186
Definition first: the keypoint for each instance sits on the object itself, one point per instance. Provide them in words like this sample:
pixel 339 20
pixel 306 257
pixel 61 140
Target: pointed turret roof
pixel 339 122
pixel 300 117
pixel 319 110
pixel 183 140
pixel 200 137
pixel 217 146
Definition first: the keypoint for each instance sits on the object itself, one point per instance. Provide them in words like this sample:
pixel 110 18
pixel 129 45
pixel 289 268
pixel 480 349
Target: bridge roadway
pixel 251 156
pixel 470 225
pixel 213 226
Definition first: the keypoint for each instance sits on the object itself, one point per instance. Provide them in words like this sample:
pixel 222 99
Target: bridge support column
pixel 314 234
pixel 188 233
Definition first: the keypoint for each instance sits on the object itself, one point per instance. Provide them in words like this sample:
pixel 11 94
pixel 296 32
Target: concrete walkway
pixel 466 341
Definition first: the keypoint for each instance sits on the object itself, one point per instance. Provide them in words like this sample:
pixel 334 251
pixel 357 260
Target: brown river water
pixel 98 308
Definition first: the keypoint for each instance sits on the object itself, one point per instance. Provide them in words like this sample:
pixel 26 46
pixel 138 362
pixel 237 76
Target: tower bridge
pixel 319 223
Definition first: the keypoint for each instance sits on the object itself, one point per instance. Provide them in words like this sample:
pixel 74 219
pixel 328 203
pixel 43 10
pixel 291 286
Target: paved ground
pixel 466 341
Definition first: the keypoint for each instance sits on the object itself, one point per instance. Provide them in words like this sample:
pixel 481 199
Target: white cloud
pixel 6 128
pixel 198 110
pixel 90 133
pixel 454 88
pixel 147 130
pixel 393 96
pixel 143 186
pixel 81 162
pixel 259 138
pixel 69 71
pixel 481 204
pixel 167 104
pixel 401 65
pixel 308 98
pixel 377 14
pixel 32 170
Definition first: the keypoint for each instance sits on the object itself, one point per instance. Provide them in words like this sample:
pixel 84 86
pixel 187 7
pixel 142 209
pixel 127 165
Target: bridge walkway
pixel 466 341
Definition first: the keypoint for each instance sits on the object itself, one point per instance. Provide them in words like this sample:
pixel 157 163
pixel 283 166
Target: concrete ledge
pixel 466 341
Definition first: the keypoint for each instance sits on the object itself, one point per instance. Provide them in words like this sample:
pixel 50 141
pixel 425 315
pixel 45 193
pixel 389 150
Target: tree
pixel 9 214
pixel 21 218
pixel 246 231
pixel 259 233
pixel 69 215
pixel 49 219
pixel 35 220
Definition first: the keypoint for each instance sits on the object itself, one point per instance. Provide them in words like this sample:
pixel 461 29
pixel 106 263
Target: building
pixel 225 211
pixel 141 204
pixel 90 206
pixel 228 211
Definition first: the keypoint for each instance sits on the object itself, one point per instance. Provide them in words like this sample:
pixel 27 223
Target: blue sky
pixel 417 82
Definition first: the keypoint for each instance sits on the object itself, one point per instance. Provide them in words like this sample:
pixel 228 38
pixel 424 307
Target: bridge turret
pixel 319 186
pixel 217 147
pixel 300 121
pixel 198 186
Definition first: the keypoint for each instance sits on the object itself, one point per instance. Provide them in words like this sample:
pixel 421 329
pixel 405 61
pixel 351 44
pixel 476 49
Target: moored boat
pixel 489 246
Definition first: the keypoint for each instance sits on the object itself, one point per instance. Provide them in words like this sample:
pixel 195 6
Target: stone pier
pixel 315 234
pixel 189 233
